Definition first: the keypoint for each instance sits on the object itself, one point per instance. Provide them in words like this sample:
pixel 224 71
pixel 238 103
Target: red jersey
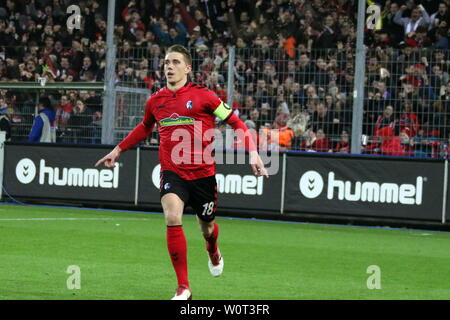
pixel 186 124
pixel 410 122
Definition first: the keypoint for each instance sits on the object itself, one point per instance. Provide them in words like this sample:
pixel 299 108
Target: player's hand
pixel 110 159
pixel 257 165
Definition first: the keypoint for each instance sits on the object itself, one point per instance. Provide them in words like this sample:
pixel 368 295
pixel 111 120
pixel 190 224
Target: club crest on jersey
pixel 189 105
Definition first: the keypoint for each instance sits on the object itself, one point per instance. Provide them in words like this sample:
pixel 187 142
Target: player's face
pixel 175 68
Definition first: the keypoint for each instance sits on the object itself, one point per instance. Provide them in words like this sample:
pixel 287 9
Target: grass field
pixel 123 255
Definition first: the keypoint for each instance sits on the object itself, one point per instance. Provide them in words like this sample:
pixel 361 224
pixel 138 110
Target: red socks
pixel 176 244
pixel 211 242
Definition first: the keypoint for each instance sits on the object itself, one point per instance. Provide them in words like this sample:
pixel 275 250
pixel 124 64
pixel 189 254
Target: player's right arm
pixel 139 133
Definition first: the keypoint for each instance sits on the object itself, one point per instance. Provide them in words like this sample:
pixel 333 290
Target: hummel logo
pixel 311 184
pixel 25 171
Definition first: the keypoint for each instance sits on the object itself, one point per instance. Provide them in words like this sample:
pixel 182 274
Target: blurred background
pixel 270 60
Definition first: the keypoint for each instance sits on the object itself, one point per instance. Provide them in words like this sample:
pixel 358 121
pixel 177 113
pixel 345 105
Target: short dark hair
pixel 181 49
pixel 45 102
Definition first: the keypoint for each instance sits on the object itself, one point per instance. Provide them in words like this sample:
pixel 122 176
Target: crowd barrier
pixel 300 183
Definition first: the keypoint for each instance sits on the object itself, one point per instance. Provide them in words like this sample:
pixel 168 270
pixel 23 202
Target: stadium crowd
pixel 292 57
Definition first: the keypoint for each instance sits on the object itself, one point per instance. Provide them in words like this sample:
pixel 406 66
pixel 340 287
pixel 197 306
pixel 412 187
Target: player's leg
pixel 210 231
pixel 172 195
pixel 203 199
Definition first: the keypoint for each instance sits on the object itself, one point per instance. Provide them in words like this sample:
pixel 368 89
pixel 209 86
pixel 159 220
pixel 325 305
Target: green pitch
pixel 123 255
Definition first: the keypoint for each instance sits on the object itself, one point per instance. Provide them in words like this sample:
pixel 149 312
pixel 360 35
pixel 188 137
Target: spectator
pixel 316 142
pixel 394 30
pixel 322 119
pixel 5 120
pixel 188 20
pixel 383 130
pixel 440 18
pixel 262 93
pixel 279 137
pixel 80 123
pixel 441 39
pixel 28 71
pixel 328 36
pixel 254 116
pixel 438 80
pixel 439 59
pixel 409 120
pixel 394 145
pixel 262 22
pixel 12 69
pixel 434 123
pixel 76 55
pixel 249 105
pixel 63 113
pixel 387 119
pixel 418 17
pixel 343 145
pixel 320 77
pixel 418 38
pixel 195 38
pixel 406 143
pixel 244 28
pixel 169 36
pixel 88 71
pixel 43 129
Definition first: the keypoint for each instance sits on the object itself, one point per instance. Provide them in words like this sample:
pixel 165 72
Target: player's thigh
pixel 203 199
pixel 173 208
pixel 174 194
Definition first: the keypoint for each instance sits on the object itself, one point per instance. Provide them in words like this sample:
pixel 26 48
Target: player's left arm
pixel 224 112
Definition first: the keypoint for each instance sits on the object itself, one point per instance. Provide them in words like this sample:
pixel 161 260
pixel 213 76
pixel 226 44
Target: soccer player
pixel 182 109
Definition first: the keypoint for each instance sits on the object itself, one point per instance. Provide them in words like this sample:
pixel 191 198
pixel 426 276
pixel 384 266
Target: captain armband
pixel 223 111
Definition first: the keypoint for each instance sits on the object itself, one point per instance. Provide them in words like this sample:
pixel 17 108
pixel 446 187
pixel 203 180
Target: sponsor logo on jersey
pixel 176 120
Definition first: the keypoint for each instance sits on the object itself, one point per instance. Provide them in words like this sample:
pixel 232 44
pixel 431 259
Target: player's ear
pixel 188 68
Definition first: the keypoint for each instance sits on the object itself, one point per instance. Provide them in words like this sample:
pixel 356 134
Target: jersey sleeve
pixel 241 129
pixel 141 131
pixel 217 106
pixel 149 119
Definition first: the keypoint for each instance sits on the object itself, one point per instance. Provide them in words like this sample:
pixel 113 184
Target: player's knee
pixel 173 219
pixel 207 228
